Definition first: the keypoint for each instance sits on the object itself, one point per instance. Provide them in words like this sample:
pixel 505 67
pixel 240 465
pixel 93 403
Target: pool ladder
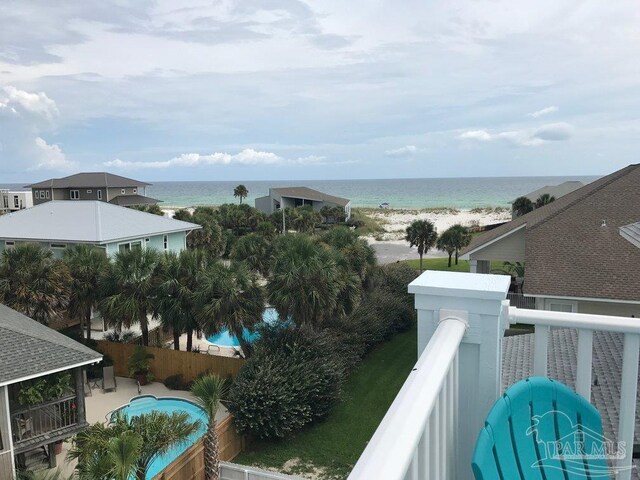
pixel 139 387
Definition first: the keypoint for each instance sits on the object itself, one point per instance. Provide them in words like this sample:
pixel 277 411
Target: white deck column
pixel 479 299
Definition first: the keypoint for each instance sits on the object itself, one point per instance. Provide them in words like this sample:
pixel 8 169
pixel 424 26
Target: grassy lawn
pixel 335 444
pixel 441 264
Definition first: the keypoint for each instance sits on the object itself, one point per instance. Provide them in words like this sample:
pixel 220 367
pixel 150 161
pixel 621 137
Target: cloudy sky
pixel 283 89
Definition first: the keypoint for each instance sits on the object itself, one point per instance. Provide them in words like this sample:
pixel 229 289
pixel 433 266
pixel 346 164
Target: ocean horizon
pixel 411 193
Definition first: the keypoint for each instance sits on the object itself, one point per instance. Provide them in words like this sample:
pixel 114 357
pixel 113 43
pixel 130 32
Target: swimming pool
pixel 146 403
pixel 227 339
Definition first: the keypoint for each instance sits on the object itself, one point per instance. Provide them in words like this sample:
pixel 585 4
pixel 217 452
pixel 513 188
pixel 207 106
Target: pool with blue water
pixel 227 339
pixel 147 403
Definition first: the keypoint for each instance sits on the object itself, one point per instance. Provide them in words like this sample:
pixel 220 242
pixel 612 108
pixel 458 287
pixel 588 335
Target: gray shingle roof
pixel 128 200
pixel 632 233
pixel 566 241
pixel 28 348
pixel 517 363
pixel 309 194
pixel 89 179
pixel 85 221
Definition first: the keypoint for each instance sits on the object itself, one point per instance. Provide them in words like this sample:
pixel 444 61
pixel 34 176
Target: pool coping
pixel 110 414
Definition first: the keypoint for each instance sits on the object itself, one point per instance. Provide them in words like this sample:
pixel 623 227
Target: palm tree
pixel 522 206
pixel 209 390
pixel 175 302
pixel 86 265
pixel 462 238
pixel 229 298
pixel 255 250
pixel 302 285
pixel 544 199
pixel 447 243
pixel 128 289
pixel 34 283
pixel 240 191
pixel 128 446
pixel 422 234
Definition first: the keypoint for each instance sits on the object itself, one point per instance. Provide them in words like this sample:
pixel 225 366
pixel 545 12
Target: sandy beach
pixel 390 246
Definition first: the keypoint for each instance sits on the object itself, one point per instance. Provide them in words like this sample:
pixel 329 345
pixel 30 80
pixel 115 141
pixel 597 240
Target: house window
pixel 37 194
pixel 89 191
pixel 9 244
pixel 560 305
pixel 135 190
pixel 16 201
pixel 125 247
pixel 59 245
pixel 136 245
pixel 41 193
pixel 123 191
pixel 99 192
pixel 74 194
pixel 165 242
pixel 46 194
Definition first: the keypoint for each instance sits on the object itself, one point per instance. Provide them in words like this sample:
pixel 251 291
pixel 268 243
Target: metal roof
pixel 89 180
pixel 517 364
pixel 129 200
pixel 632 233
pixel 309 194
pixel 83 221
pixel 29 349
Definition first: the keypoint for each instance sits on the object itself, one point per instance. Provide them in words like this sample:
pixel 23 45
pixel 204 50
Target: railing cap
pixel 459 284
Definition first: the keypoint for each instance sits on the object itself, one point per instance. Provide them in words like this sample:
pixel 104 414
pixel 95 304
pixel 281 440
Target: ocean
pixel 460 193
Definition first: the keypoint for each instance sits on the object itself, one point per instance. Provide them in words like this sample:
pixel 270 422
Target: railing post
pixel 480 298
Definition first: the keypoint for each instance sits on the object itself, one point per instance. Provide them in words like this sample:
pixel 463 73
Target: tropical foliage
pixel 522 206
pixel 127 447
pixel 454 239
pixel 544 199
pixel 34 283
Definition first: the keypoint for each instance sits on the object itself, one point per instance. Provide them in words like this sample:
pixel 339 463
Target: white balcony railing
pixel 430 429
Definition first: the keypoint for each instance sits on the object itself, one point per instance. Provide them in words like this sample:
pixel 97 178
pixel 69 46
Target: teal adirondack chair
pixel 540 429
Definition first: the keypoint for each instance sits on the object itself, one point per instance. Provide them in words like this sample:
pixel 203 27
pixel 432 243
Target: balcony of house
pixel 464 365
pixel 46 410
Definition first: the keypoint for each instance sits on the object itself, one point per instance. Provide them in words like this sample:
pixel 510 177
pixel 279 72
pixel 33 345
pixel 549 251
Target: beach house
pixel 33 417
pixel 578 251
pixel 11 201
pixel 100 186
pixel 58 224
pixel 291 197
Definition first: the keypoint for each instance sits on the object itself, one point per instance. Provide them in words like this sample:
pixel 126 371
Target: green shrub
pixel 292 379
pixel 176 382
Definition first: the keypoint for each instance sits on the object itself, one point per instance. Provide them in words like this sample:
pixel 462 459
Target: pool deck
pixel 206 346
pixel 99 404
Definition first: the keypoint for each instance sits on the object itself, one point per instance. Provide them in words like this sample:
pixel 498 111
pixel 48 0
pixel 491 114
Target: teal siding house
pixel 61 223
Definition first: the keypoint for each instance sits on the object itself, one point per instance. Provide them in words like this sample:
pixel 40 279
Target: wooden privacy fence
pixel 171 362
pixel 190 465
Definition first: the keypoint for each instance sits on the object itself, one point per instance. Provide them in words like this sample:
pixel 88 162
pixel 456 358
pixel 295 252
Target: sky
pixel 286 89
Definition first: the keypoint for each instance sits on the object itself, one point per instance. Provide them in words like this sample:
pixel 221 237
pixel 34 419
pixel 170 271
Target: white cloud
pixel 544 111
pixel 406 151
pixel 552 132
pixel 24 117
pixel 248 156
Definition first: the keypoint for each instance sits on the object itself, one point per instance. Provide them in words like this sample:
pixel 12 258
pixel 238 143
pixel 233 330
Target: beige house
pixel 565 243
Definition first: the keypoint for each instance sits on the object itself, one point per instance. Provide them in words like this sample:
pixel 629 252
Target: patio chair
pixel 541 429
pixel 109 379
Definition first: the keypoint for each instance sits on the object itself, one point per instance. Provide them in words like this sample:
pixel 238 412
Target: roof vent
pixel 604 223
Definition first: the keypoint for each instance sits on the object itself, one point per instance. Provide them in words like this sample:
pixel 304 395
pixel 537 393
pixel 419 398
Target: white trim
pixel 99 194
pixel 627 236
pixel 9 432
pixel 484 245
pixel 49 372
pixel 583 299
pixel 77 194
